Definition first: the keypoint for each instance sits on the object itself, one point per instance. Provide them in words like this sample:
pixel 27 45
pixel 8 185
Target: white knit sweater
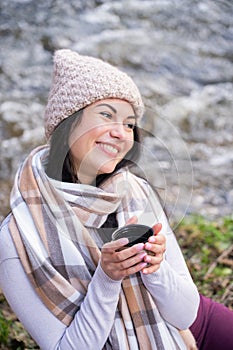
pixel 172 287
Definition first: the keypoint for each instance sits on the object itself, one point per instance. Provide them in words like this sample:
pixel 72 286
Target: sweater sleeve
pixel 173 289
pixel 172 286
pixel 91 325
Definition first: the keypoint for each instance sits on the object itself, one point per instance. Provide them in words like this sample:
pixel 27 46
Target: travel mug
pixel 136 233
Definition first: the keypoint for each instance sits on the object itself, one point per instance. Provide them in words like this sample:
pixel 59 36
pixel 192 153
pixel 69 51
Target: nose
pixel 117 130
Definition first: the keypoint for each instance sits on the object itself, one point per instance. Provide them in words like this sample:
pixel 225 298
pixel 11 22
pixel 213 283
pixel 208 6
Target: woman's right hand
pixel 118 263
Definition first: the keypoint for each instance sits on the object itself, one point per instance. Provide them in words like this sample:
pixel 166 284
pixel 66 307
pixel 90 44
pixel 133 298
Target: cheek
pixel 77 144
pixel 79 136
pixel 129 144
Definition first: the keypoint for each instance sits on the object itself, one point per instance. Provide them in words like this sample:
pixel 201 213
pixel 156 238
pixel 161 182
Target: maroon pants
pixel 213 327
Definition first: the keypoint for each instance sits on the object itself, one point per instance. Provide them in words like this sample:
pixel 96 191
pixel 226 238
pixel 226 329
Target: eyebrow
pixel 114 110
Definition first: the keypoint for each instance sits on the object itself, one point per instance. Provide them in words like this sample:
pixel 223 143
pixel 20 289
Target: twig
pixel 220 259
pixel 227 291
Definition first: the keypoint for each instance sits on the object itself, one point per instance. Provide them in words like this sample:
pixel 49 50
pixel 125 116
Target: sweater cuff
pixel 107 284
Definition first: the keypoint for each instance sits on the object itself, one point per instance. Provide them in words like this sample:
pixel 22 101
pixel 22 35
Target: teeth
pixel 109 148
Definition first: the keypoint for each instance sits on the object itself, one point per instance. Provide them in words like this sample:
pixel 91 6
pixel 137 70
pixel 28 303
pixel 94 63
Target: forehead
pixel 117 105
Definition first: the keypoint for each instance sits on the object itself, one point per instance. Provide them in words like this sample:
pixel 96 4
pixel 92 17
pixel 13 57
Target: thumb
pixel 132 220
pixel 157 228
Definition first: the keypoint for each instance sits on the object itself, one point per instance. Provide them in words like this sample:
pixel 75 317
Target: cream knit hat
pixel 79 81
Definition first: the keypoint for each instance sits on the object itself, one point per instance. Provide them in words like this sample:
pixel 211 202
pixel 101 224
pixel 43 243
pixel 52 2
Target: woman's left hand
pixel 156 247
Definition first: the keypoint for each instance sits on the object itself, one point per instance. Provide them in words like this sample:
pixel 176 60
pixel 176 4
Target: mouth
pixel 107 148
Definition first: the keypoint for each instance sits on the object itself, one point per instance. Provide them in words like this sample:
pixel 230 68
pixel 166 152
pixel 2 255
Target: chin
pixel 107 169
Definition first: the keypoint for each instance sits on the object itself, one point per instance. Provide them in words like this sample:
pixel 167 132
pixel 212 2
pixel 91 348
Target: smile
pixel 109 148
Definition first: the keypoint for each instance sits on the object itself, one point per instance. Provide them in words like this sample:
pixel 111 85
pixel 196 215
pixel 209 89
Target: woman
pixel 71 286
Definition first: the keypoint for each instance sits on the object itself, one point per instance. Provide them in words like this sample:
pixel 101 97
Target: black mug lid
pixel 136 233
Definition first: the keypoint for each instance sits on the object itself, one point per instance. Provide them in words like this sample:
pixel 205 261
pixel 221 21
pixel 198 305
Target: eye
pixel 130 126
pixel 106 115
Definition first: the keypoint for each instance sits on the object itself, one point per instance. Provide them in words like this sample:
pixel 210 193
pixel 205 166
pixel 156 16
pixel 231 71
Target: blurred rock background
pixel 180 54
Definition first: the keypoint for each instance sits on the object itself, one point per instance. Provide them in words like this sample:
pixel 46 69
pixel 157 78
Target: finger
pixel 154 259
pixel 150 269
pixel 132 220
pixel 134 269
pixel 115 245
pixel 132 261
pixel 127 253
pixel 157 228
pixel 155 248
pixel 153 263
pixel 159 239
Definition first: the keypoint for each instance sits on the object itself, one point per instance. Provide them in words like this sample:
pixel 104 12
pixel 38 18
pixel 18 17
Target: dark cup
pixel 136 233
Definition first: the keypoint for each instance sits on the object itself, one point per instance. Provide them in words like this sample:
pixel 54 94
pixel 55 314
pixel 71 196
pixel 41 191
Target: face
pixel 102 138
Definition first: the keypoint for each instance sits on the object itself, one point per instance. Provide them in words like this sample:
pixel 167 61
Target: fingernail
pixel 140 246
pixel 124 241
pixel 148 259
pixel 143 265
pixel 147 246
pixel 142 255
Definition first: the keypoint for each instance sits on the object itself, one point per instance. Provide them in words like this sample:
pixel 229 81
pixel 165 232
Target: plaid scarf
pixel 55 230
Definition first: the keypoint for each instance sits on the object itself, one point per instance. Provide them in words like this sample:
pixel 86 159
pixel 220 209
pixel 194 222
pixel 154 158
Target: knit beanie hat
pixel 78 81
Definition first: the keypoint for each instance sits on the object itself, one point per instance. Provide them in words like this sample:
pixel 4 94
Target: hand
pixel 118 263
pixel 156 245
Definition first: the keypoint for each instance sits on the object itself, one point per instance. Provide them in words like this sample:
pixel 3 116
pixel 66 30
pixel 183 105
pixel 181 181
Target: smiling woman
pixel 76 287
pixel 61 165
pixel 102 138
